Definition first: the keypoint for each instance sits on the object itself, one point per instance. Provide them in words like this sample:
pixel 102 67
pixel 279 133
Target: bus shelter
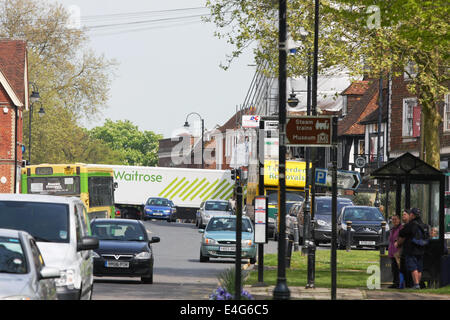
pixel 417 184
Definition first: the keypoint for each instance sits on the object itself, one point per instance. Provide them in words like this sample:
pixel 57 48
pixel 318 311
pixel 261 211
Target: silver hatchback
pixel 23 274
pixel 211 208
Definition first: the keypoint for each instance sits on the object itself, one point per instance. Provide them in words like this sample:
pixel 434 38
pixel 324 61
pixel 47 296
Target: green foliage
pixel 362 199
pixel 57 139
pixel 72 81
pixel 137 147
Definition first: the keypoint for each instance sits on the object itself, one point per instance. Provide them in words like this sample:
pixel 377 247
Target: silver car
pixel 211 208
pixel 23 274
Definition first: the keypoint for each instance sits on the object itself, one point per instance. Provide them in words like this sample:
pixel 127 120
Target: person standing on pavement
pixel 393 251
pixel 405 276
pixel 413 253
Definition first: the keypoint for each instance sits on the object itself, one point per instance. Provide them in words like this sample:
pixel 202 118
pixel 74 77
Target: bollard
pixel 349 236
pixel 383 237
pixel 288 251
pixel 296 236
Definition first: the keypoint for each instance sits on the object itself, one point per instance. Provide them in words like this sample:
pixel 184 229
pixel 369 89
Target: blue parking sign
pixel 321 176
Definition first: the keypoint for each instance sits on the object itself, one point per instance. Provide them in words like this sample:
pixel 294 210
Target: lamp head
pixel 35 96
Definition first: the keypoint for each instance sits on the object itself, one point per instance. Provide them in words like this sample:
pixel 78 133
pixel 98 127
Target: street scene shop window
pixel 447 113
pixel 411 118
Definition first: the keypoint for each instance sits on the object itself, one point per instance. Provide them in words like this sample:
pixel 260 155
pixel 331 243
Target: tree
pixel 136 147
pixel 408 32
pixel 66 142
pixel 67 73
pixel 365 37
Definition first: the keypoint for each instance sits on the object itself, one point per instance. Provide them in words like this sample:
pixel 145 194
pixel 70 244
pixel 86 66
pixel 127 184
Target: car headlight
pixel 95 254
pixel 206 215
pixel 143 255
pixel 246 243
pixel 67 278
pixel 322 223
pixel 148 210
pixel 210 241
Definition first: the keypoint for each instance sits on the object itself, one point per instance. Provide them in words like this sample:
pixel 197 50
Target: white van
pixel 60 229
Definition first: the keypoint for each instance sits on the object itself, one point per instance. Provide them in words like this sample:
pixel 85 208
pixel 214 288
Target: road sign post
pixel 349 180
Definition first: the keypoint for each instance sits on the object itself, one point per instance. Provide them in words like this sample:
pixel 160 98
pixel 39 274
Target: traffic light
pixel 233 174
pixel 238 176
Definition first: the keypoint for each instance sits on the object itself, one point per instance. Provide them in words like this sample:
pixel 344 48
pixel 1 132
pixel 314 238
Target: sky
pixel 167 69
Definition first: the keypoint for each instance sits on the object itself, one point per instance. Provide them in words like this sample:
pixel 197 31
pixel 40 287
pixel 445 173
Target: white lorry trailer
pixel 186 187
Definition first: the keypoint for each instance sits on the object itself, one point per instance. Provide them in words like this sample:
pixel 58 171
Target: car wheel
pixel 203 258
pixel 147 280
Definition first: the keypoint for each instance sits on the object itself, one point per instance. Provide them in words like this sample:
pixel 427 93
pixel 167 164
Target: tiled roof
pixel 357 88
pixel 13 64
pixel 373 117
pixel 362 108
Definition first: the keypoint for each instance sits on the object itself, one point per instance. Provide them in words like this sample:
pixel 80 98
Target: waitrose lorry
pixel 186 187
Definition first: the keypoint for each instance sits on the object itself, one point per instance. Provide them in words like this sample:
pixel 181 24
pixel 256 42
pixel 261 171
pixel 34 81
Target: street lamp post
pixel 34 98
pixel 281 290
pixel 186 125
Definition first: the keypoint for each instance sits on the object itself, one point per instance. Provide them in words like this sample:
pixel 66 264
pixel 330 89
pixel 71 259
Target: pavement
pixel 301 293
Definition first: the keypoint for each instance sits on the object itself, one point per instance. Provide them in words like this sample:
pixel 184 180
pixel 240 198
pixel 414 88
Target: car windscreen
pixel 12 257
pixel 217 206
pixel 158 202
pixel 228 224
pixel 362 214
pixel 291 196
pixel 323 206
pixel 119 231
pixel 47 222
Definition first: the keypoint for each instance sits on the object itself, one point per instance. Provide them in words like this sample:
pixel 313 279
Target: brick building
pixel 13 102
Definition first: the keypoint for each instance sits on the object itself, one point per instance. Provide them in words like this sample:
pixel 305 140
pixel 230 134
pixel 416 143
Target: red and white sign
pixel 250 121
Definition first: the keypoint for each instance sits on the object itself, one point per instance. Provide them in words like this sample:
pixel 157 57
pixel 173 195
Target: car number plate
pixel 117 264
pixel 232 249
pixel 367 243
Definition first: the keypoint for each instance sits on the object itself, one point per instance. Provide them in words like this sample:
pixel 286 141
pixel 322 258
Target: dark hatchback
pixel 366 226
pixel 322 217
pixel 124 249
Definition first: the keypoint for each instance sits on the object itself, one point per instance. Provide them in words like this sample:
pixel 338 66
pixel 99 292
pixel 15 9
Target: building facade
pixel 13 103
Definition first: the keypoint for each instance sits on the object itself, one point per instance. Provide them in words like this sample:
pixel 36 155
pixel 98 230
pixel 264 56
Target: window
pixel 46 222
pixel 410 121
pixel 12 257
pixel 447 113
pixel 54 185
pixel 37 257
pixel 100 191
pixel 344 105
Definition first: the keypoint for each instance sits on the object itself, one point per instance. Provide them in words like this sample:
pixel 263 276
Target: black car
pixel 124 249
pixel 366 226
pixel 322 217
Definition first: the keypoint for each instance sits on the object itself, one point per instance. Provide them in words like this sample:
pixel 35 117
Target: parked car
pixel 219 239
pixel 322 217
pixel 159 208
pixel 291 217
pixel 59 226
pixel 23 273
pixel 366 226
pixel 211 208
pixel 124 249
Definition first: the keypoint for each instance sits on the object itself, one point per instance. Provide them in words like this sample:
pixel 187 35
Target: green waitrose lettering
pixel 135 176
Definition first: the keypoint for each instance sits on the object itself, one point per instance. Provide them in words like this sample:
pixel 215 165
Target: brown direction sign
pixel 309 131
